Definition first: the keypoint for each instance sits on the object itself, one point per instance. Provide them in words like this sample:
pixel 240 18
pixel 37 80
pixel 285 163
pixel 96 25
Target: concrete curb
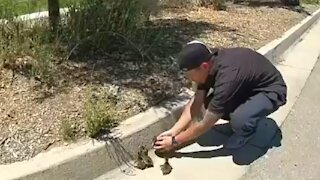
pixel 280 45
pixel 36 15
pixel 88 160
pixel 39 15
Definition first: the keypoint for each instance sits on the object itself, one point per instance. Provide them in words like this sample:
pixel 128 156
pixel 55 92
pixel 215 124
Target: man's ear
pixel 205 66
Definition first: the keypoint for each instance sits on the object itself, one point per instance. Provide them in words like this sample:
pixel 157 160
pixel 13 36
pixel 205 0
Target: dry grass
pixel 67 130
pixel 99 111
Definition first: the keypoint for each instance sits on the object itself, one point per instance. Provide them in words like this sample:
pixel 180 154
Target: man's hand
pixel 199 127
pixel 186 116
pixel 163 143
pixel 169 132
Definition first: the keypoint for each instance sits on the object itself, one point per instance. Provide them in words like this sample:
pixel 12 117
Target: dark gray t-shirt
pixel 239 73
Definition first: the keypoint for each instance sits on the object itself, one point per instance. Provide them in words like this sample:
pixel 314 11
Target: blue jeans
pixel 244 119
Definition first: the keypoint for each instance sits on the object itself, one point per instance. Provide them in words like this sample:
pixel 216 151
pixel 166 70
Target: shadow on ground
pixel 274 4
pixel 149 67
pixel 267 136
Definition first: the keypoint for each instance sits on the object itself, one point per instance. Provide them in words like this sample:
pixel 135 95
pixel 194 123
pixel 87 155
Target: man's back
pixel 239 73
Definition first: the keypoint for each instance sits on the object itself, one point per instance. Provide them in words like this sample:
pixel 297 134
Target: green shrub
pixel 90 28
pixel 99 112
pixel 25 49
pixel 16 7
pixel 20 7
pixel 67 131
pixel 102 25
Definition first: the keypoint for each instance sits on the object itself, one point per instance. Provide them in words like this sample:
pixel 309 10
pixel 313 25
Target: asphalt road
pixel 298 158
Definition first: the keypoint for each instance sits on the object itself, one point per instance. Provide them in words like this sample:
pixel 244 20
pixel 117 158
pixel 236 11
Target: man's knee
pixel 245 117
pixel 242 123
pixel 237 121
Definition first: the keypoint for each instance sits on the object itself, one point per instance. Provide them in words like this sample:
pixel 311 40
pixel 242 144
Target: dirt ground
pixel 30 117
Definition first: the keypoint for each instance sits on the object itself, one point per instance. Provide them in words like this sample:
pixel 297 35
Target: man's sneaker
pixel 236 141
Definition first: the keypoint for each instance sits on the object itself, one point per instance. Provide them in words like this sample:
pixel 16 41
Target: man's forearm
pixel 198 128
pixel 184 119
pixel 191 110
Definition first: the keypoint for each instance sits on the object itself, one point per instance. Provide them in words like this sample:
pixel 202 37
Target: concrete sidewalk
pixel 209 160
pixel 298 157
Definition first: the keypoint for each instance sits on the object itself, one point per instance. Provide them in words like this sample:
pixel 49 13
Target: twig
pixel 7 137
pixel 91 74
pixel 12 77
pixel 4 140
pixel 49 144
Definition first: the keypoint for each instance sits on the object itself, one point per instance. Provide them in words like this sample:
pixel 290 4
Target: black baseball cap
pixel 193 55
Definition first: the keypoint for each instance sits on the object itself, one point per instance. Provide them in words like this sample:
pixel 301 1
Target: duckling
pixel 166 167
pixel 145 157
pixel 139 163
